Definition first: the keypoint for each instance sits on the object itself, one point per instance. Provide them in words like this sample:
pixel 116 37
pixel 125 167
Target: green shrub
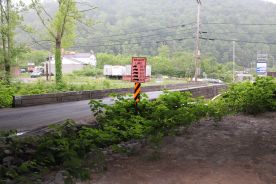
pixel 157 117
pixel 217 109
pixel 76 148
pixel 251 98
pixel 6 95
pixel 65 145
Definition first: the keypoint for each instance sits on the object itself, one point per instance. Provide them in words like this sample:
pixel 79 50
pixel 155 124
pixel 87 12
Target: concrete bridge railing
pixel 197 89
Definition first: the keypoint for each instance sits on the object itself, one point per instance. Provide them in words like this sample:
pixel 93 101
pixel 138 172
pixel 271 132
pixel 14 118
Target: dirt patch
pixel 239 150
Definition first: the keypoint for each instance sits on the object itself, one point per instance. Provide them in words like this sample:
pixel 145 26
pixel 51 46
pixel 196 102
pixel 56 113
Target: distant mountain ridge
pixel 125 18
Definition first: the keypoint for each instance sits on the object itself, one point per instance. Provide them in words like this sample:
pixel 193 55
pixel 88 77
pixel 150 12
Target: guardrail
pixel 42 99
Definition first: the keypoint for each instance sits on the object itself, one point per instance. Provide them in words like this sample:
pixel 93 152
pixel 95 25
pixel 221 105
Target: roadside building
pixel 72 61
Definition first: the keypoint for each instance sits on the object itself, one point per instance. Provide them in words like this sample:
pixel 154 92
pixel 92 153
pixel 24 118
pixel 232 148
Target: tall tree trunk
pixel 9 44
pixel 7 65
pixel 4 36
pixel 58 62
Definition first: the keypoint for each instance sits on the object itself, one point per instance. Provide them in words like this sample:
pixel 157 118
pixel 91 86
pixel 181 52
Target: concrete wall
pixel 208 91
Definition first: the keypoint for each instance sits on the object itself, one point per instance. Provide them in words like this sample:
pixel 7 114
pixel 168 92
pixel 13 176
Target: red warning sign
pixel 138 69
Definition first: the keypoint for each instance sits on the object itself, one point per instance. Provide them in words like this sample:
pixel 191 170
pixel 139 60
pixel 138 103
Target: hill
pixel 140 27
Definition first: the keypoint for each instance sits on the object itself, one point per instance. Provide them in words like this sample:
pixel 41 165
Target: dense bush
pixel 76 148
pixel 251 98
pixel 157 117
pixel 6 95
pixel 68 145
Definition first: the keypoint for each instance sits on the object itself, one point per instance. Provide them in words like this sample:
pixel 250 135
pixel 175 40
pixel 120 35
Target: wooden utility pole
pixel 197 51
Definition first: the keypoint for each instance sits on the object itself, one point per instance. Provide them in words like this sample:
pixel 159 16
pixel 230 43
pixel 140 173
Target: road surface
pixel 29 118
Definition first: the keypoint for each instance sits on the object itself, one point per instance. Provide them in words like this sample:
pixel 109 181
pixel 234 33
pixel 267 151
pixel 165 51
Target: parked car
pixel 36 74
pixel 23 70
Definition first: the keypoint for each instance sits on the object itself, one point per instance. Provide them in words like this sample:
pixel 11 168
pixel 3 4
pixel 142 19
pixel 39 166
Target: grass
pixel 79 83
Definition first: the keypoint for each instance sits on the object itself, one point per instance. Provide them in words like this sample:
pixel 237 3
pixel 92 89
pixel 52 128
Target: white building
pixel 72 61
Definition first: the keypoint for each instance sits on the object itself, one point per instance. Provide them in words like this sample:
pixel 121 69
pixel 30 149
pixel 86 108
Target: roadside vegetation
pixel 71 83
pixel 90 78
pixel 174 64
pixel 77 150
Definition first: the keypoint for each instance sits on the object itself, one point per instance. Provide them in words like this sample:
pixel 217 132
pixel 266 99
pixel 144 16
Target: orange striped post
pixel 138 75
pixel 136 95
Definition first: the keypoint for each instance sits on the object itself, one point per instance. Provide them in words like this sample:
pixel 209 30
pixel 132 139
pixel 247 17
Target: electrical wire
pixel 239 24
pixel 241 41
pixel 149 30
pixel 206 32
pixel 148 36
pixel 134 43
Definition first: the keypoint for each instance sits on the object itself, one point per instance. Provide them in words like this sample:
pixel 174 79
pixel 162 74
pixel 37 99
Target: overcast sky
pixel 273 1
pixel 28 1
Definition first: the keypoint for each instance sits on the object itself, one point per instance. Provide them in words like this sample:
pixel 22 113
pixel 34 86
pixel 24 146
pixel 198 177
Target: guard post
pixel 138 76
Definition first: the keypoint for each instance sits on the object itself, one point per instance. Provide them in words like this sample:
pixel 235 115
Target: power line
pixel 147 36
pixel 206 32
pixel 134 43
pixel 149 30
pixel 240 24
pixel 240 41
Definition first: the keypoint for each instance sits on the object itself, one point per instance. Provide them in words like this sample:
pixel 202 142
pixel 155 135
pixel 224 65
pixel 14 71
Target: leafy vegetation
pixel 89 72
pixel 61 27
pixel 64 146
pixel 34 56
pixel 159 14
pixel 9 20
pixel 251 98
pixel 86 79
pixel 41 87
pixel 6 93
pixel 175 64
pixel 77 148
pixel 68 146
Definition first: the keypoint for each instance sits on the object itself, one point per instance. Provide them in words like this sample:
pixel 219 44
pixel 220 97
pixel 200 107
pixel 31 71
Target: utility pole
pixel 234 58
pixel 50 69
pixel 197 52
pixel 273 61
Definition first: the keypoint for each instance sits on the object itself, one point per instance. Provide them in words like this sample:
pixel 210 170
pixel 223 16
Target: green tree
pixel 164 51
pixel 9 21
pixel 34 56
pixel 61 27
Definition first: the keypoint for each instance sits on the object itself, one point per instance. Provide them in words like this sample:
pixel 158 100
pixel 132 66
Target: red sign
pixel 138 69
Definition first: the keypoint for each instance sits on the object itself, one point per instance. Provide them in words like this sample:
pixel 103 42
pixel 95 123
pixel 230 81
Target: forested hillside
pixel 141 26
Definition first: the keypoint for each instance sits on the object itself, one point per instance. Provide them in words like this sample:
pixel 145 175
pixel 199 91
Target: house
pixel 72 61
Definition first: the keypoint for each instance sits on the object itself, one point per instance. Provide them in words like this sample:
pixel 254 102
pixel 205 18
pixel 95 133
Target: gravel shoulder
pixel 239 150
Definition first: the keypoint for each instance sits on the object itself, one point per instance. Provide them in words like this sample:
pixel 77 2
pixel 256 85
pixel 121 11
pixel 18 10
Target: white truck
pixel 114 71
pixel 118 71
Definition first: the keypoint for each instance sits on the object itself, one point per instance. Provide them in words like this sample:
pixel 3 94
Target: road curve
pixel 29 118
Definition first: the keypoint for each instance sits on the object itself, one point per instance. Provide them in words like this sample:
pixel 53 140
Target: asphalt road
pixel 29 118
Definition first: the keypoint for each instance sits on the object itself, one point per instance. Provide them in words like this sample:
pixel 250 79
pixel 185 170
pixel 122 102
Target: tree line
pixel 137 28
